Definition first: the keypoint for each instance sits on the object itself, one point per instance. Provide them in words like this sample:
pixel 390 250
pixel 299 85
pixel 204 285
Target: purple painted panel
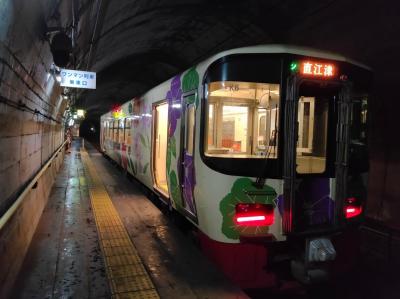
pixel 174 98
pixel 189 181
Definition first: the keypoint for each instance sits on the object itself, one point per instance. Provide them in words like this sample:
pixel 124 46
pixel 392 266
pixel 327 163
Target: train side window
pixel 121 131
pixel 127 131
pixel 211 137
pixel 242 120
pixel 105 129
pixel 190 123
pixel 111 130
pixel 115 131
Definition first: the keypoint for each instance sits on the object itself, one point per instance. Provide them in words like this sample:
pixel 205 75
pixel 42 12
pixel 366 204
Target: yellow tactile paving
pixel 131 283
pixel 137 295
pixel 115 242
pixel 110 251
pixel 125 271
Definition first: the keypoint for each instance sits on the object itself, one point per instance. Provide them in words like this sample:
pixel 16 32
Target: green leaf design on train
pixel 168 157
pixel 242 191
pixel 145 167
pixel 192 99
pixel 130 163
pixel 175 192
pixel 173 146
pixel 190 80
pixel 142 140
pixel 171 151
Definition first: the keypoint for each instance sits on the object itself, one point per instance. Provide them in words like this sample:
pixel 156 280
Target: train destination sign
pixel 78 79
pixel 317 69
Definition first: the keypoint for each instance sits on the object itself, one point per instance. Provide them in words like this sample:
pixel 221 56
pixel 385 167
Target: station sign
pixel 78 79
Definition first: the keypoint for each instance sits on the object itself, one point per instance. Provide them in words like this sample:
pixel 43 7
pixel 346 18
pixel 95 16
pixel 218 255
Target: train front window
pixel 358 121
pixel 242 120
pixel 358 160
pixel 312 120
pixel 315 108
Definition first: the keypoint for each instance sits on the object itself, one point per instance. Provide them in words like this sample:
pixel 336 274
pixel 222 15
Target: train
pixel 264 149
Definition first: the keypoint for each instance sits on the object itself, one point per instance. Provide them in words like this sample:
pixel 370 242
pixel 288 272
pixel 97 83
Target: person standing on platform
pixel 69 140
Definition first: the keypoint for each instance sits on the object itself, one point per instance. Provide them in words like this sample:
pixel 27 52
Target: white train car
pixel 255 146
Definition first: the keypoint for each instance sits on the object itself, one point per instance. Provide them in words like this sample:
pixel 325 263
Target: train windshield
pixel 312 119
pixel 242 120
pixel 358 160
pixel 314 114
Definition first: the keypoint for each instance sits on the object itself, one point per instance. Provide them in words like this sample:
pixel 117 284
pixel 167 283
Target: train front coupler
pixel 314 263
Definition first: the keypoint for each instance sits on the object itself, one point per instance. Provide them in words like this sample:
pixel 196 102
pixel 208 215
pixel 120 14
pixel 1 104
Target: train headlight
pixel 254 214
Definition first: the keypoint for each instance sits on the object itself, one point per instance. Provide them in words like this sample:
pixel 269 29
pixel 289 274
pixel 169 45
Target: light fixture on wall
pixel 56 72
pixel 61 48
pixel 64 95
pixel 81 113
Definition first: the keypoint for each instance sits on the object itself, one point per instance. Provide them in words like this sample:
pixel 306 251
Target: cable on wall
pixel 23 107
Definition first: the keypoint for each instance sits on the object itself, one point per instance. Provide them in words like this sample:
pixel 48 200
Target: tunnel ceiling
pixel 135 45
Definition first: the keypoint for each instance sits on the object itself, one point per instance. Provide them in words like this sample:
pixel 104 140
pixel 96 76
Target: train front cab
pixel 297 124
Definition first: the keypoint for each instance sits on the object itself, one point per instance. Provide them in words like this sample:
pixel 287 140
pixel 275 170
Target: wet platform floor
pixel 65 259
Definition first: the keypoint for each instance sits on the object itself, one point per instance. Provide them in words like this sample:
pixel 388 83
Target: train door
pixel 103 130
pixel 160 129
pixel 187 178
pixel 311 118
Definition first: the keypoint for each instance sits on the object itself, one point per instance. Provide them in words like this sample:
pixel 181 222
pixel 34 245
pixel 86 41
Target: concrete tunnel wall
pixel 27 139
pixel 31 126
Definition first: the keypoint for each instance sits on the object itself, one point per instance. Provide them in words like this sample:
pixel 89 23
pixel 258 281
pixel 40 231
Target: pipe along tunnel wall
pixel 19 223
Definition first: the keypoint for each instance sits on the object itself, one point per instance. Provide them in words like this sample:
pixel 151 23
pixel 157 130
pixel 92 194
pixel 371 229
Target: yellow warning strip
pixel 125 271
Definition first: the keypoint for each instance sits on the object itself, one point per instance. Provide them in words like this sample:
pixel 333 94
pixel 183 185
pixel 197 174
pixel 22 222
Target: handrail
pixel 10 212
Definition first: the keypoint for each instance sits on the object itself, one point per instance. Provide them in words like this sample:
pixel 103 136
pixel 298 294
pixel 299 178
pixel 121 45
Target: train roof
pixel 287 49
pixel 275 49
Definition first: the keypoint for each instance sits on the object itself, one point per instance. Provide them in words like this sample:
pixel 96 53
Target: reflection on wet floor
pixel 64 258
pixel 125 271
pixel 177 267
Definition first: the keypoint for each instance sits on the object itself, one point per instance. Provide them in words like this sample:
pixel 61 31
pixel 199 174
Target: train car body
pixel 255 146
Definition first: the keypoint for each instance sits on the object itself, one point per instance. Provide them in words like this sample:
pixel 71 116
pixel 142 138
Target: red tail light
pixel 352 207
pixel 254 214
